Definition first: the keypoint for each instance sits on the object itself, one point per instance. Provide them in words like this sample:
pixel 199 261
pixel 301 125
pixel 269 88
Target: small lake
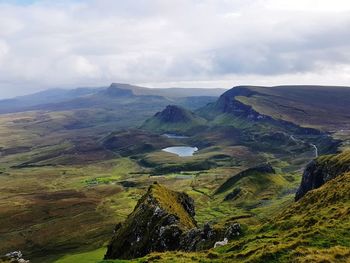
pixel 182 151
pixel 174 136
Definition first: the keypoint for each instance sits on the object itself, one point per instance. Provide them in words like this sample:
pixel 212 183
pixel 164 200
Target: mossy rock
pixel 159 219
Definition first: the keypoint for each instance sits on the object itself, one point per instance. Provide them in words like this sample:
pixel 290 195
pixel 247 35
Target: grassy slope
pixel 52 209
pixel 87 257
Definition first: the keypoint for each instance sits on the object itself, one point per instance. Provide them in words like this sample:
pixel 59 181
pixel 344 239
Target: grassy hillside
pixel 314 229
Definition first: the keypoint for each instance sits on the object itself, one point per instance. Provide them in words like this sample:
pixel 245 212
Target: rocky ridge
pixel 163 220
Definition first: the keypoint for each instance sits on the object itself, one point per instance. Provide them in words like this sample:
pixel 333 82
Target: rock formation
pixel 174 113
pixel 13 257
pixel 321 170
pixel 163 220
pixel 159 219
pixel 173 119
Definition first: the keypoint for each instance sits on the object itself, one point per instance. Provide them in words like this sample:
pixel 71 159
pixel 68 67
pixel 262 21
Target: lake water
pixel 182 151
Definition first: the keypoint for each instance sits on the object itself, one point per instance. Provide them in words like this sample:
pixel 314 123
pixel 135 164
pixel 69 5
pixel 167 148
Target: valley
pixel 70 170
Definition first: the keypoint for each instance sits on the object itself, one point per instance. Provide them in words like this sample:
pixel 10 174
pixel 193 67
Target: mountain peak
pixel 173 119
pixel 173 114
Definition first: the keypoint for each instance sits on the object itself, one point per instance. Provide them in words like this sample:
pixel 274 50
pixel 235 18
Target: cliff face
pixel 227 103
pixel 321 170
pixel 156 224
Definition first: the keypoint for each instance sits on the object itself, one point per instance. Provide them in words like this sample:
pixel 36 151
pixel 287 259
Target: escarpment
pixel 321 170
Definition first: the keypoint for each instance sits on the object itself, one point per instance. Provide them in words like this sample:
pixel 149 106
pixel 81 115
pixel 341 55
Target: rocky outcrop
pixel 159 219
pixel 227 103
pixel 205 238
pixel 13 257
pixel 173 119
pixel 163 220
pixel 173 114
pixel 321 170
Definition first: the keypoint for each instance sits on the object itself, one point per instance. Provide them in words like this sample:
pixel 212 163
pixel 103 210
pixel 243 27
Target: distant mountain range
pixel 63 99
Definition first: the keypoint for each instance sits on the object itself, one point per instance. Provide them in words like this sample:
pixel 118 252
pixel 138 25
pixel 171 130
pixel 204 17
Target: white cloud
pixel 4 49
pixel 178 43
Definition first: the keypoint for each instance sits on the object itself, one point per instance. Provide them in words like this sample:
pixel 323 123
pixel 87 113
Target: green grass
pixel 94 256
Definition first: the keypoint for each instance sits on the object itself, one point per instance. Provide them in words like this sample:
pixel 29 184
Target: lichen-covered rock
pixel 157 223
pixel 321 170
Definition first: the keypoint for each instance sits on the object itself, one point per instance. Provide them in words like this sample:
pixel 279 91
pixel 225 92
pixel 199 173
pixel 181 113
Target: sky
pixel 172 43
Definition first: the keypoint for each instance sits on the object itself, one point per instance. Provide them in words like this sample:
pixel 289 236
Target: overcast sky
pixel 184 43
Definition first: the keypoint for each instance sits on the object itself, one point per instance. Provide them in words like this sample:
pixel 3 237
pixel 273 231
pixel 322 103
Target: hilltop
pixel 173 119
pixel 159 219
